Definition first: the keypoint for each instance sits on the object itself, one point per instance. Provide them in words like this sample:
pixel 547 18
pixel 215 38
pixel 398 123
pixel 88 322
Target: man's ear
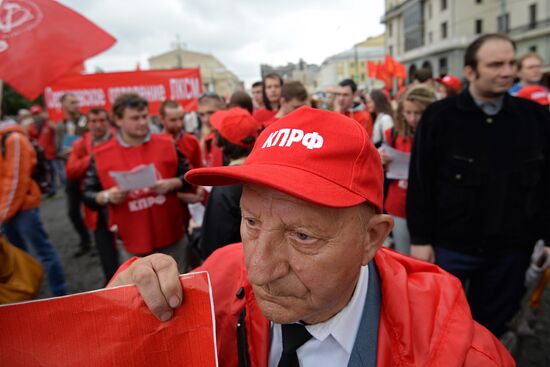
pixel 378 228
pixel 470 74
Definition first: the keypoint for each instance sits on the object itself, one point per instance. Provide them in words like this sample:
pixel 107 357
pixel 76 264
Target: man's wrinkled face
pixel 71 105
pixel 173 120
pixel 496 69
pixel 303 260
pixel 273 90
pixel 344 97
pixel 531 70
pixel 134 123
pixel 98 124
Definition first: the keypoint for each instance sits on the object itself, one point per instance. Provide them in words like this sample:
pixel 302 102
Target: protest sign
pixel 110 327
pixel 101 89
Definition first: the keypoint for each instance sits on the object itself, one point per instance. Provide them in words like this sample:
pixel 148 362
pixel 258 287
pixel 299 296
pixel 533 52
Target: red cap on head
pixel 318 156
pixel 536 93
pixel 35 109
pixel 451 81
pixel 235 125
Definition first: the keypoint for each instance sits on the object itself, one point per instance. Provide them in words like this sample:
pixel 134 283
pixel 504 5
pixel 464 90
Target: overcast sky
pixel 242 34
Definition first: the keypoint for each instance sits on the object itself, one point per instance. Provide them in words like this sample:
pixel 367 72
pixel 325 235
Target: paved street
pixel 84 274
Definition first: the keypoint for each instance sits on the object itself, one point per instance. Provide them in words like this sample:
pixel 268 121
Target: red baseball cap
pixel 317 156
pixel 35 109
pixel 536 93
pixel 235 125
pixel 451 81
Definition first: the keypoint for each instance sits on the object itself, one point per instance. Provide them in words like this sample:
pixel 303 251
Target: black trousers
pixel 494 283
pixel 105 242
pixel 74 210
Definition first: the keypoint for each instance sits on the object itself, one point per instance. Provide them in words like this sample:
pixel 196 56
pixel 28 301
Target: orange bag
pixel 20 274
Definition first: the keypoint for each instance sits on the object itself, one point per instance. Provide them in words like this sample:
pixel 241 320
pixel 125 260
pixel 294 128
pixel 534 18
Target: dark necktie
pixel 294 336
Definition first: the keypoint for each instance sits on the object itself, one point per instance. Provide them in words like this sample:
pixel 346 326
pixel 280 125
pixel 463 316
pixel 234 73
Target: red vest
pixel 146 221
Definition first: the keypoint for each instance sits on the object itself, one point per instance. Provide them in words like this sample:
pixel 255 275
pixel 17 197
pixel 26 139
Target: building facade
pixel 302 72
pixel 351 63
pixel 215 76
pixel 435 33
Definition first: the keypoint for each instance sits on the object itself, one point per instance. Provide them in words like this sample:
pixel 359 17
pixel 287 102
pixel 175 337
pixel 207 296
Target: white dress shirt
pixel 332 340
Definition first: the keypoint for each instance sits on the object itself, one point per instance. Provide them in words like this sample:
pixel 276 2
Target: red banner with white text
pixel 101 89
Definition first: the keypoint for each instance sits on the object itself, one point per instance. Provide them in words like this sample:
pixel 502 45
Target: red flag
pixel 390 64
pixel 372 69
pixel 400 71
pixel 385 76
pixel 40 40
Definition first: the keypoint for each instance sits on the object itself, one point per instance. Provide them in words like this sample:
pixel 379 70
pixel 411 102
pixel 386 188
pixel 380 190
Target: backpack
pixel 42 173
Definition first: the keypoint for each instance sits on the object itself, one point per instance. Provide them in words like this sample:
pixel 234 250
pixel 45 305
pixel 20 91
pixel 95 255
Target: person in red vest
pixel 345 96
pixel 172 116
pixel 209 104
pixel 310 284
pixel 99 132
pixel 272 85
pixel 148 219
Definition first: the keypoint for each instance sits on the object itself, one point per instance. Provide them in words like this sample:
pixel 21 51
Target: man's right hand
pixel 157 280
pixel 423 252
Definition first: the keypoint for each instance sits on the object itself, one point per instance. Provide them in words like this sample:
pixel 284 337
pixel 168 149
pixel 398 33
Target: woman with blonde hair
pixel 410 108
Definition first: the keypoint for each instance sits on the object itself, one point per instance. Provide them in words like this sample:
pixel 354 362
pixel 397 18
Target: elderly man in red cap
pixel 310 284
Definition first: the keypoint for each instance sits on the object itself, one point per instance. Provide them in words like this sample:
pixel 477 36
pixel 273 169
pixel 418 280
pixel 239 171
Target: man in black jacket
pixel 478 195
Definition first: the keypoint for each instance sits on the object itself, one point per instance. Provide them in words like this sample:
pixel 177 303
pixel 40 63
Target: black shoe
pixel 85 247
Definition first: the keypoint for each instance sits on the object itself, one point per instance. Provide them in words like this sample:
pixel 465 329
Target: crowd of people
pixel 458 164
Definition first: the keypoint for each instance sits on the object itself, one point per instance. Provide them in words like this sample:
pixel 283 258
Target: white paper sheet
pixel 398 168
pixel 140 177
pixel 197 212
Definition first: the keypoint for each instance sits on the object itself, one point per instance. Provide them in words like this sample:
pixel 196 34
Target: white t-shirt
pixel 383 122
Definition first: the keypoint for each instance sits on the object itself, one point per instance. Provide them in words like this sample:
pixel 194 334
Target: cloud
pixel 242 34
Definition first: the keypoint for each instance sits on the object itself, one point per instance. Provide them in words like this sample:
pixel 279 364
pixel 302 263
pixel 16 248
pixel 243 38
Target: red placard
pixel 110 327
pixel 101 89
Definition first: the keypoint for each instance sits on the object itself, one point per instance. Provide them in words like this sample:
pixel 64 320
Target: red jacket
pixel 146 221
pixel 190 146
pixel 45 137
pixel 362 117
pixel 213 154
pixel 424 318
pixel 263 114
pixel 76 167
pixel 18 191
pixel 396 199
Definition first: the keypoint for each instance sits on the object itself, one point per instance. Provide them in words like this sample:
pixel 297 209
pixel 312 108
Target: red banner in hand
pixel 101 89
pixel 40 40
pixel 110 327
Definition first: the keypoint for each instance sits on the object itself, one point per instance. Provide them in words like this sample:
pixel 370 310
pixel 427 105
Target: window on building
pixel 533 48
pixel 503 23
pixel 443 5
pixel 429 10
pixel 430 37
pixel 443 30
pixel 389 29
pixel 362 77
pixel 532 16
pixel 479 26
pixel 478 1
pixel 390 50
pixel 443 67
